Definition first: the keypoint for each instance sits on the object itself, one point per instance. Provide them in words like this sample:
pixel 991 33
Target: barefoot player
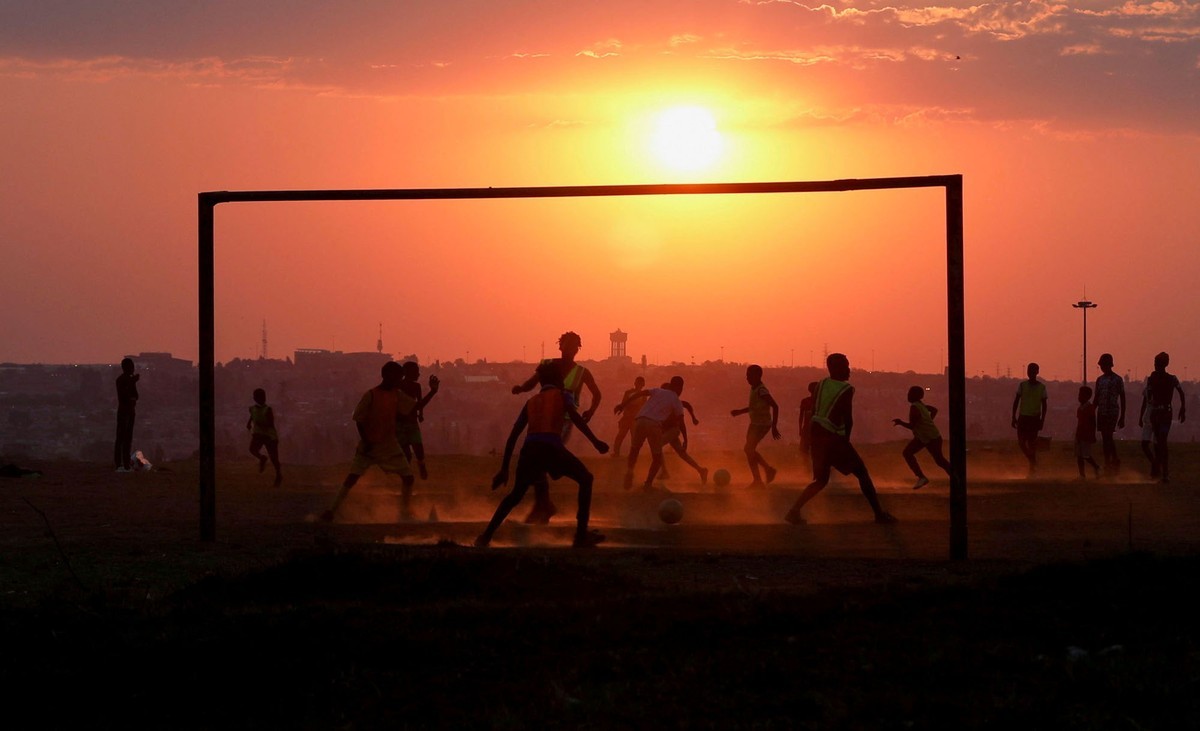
pixel 544 452
pixel 375 418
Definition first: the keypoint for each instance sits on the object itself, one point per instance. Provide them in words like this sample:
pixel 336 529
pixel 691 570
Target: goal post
pixel 956 340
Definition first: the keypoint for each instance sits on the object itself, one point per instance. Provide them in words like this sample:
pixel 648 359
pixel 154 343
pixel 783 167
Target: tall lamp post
pixel 1085 305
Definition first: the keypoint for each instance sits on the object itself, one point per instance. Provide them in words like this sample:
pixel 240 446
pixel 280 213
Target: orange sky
pixel 1073 124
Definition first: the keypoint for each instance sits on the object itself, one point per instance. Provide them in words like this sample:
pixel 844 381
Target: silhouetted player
pixel 925 435
pixel 764 419
pixel 832 422
pixel 1157 399
pixel 675 436
pixel 806 411
pixel 1029 414
pixel 1085 432
pixel 574 379
pixel 264 434
pixel 375 418
pixel 544 452
pixel 1110 411
pixel 127 398
pixel 625 423
pixel 662 410
pixel 408 425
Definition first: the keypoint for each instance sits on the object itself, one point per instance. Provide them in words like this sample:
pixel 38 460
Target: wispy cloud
pixel 602 49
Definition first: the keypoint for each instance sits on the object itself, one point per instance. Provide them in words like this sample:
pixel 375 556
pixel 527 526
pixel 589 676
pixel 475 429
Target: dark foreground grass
pixel 450 638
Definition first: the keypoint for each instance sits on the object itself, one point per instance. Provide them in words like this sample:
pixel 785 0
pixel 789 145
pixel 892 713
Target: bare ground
pixel 1075 610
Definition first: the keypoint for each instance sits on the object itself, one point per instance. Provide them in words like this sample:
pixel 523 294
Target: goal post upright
pixel 956 373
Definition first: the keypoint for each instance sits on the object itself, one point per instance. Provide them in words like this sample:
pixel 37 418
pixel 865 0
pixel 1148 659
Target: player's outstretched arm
pixel 589 382
pixel 527 385
pixel 687 405
pixel 636 394
pixel 517 427
pixel 739 412
pixel 770 401
pixel 582 425
pixel 1182 403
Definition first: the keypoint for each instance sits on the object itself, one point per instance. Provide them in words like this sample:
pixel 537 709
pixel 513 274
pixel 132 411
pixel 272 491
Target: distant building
pixel 311 359
pixel 162 363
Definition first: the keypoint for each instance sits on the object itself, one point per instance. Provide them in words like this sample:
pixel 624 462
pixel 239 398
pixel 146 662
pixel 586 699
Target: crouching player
pixel 544 452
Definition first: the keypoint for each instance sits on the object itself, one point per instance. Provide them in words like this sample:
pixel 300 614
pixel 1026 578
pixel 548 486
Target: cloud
pixel 1082 49
pixel 253 70
pixel 602 49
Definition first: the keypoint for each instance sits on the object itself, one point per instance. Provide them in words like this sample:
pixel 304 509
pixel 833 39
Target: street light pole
pixel 1085 305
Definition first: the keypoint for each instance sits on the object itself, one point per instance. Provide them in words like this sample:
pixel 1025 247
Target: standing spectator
pixel 127 398
pixel 1156 401
pixel 1110 411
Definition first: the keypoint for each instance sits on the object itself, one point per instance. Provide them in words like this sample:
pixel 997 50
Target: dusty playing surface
pixel 729 618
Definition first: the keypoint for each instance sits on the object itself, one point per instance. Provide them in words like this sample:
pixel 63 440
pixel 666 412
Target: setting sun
pixel 686 138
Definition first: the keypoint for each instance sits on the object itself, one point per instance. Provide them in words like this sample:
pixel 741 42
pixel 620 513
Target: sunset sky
pixel 1075 126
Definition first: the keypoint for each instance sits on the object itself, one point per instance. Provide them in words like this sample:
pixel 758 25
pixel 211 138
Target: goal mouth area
pixel 956 347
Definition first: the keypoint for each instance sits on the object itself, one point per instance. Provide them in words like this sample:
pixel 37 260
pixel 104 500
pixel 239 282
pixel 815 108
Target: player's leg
pixel 257 441
pixel 910 458
pixel 654 438
pixel 934 446
pixel 543 507
pixel 635 447
pixel 852 463
pixel 821 467
pixel 622 432
pixel 272 446
pixel 677 446
pixel 754 435
pixel 1162 429
pixel 510 501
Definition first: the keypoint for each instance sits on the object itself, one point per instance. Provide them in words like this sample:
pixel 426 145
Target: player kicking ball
pixel 544 453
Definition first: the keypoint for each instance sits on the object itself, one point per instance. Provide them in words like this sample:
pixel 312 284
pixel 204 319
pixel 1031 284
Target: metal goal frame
pixel 955 326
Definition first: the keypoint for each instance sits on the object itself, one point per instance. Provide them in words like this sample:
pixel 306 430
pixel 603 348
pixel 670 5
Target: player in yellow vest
pixel 925 435
pixel 263 434
pixel 832 422
pixel 574 379
pixel 1029 414
pixel 544 452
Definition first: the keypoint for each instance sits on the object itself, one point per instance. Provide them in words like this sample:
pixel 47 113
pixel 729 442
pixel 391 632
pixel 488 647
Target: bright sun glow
pixel 686 138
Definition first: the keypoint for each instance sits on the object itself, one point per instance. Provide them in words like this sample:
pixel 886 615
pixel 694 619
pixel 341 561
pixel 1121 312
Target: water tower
pixel 617 345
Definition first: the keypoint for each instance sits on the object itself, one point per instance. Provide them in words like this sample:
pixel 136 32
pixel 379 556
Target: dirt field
pixel 1075 609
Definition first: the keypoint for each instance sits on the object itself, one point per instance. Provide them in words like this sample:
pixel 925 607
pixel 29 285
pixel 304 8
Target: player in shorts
pixel 1157 403
pixel 1085 432
pixel 1109 401
pixel 662 410
pixel 625 423
pixel 1029 414
pixel 575 378
pixel 676 437
pixel 263 434
pixel 764 420
pixel 375 418
pixel 925 435
pixel 832 422
pixel 408 424
pixel 544 453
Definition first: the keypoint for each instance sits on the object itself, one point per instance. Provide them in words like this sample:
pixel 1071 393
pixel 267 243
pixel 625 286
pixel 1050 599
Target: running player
pixel 764 419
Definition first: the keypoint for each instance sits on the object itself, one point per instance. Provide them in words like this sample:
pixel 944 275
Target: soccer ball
pixel 670 511
pixel 721 478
